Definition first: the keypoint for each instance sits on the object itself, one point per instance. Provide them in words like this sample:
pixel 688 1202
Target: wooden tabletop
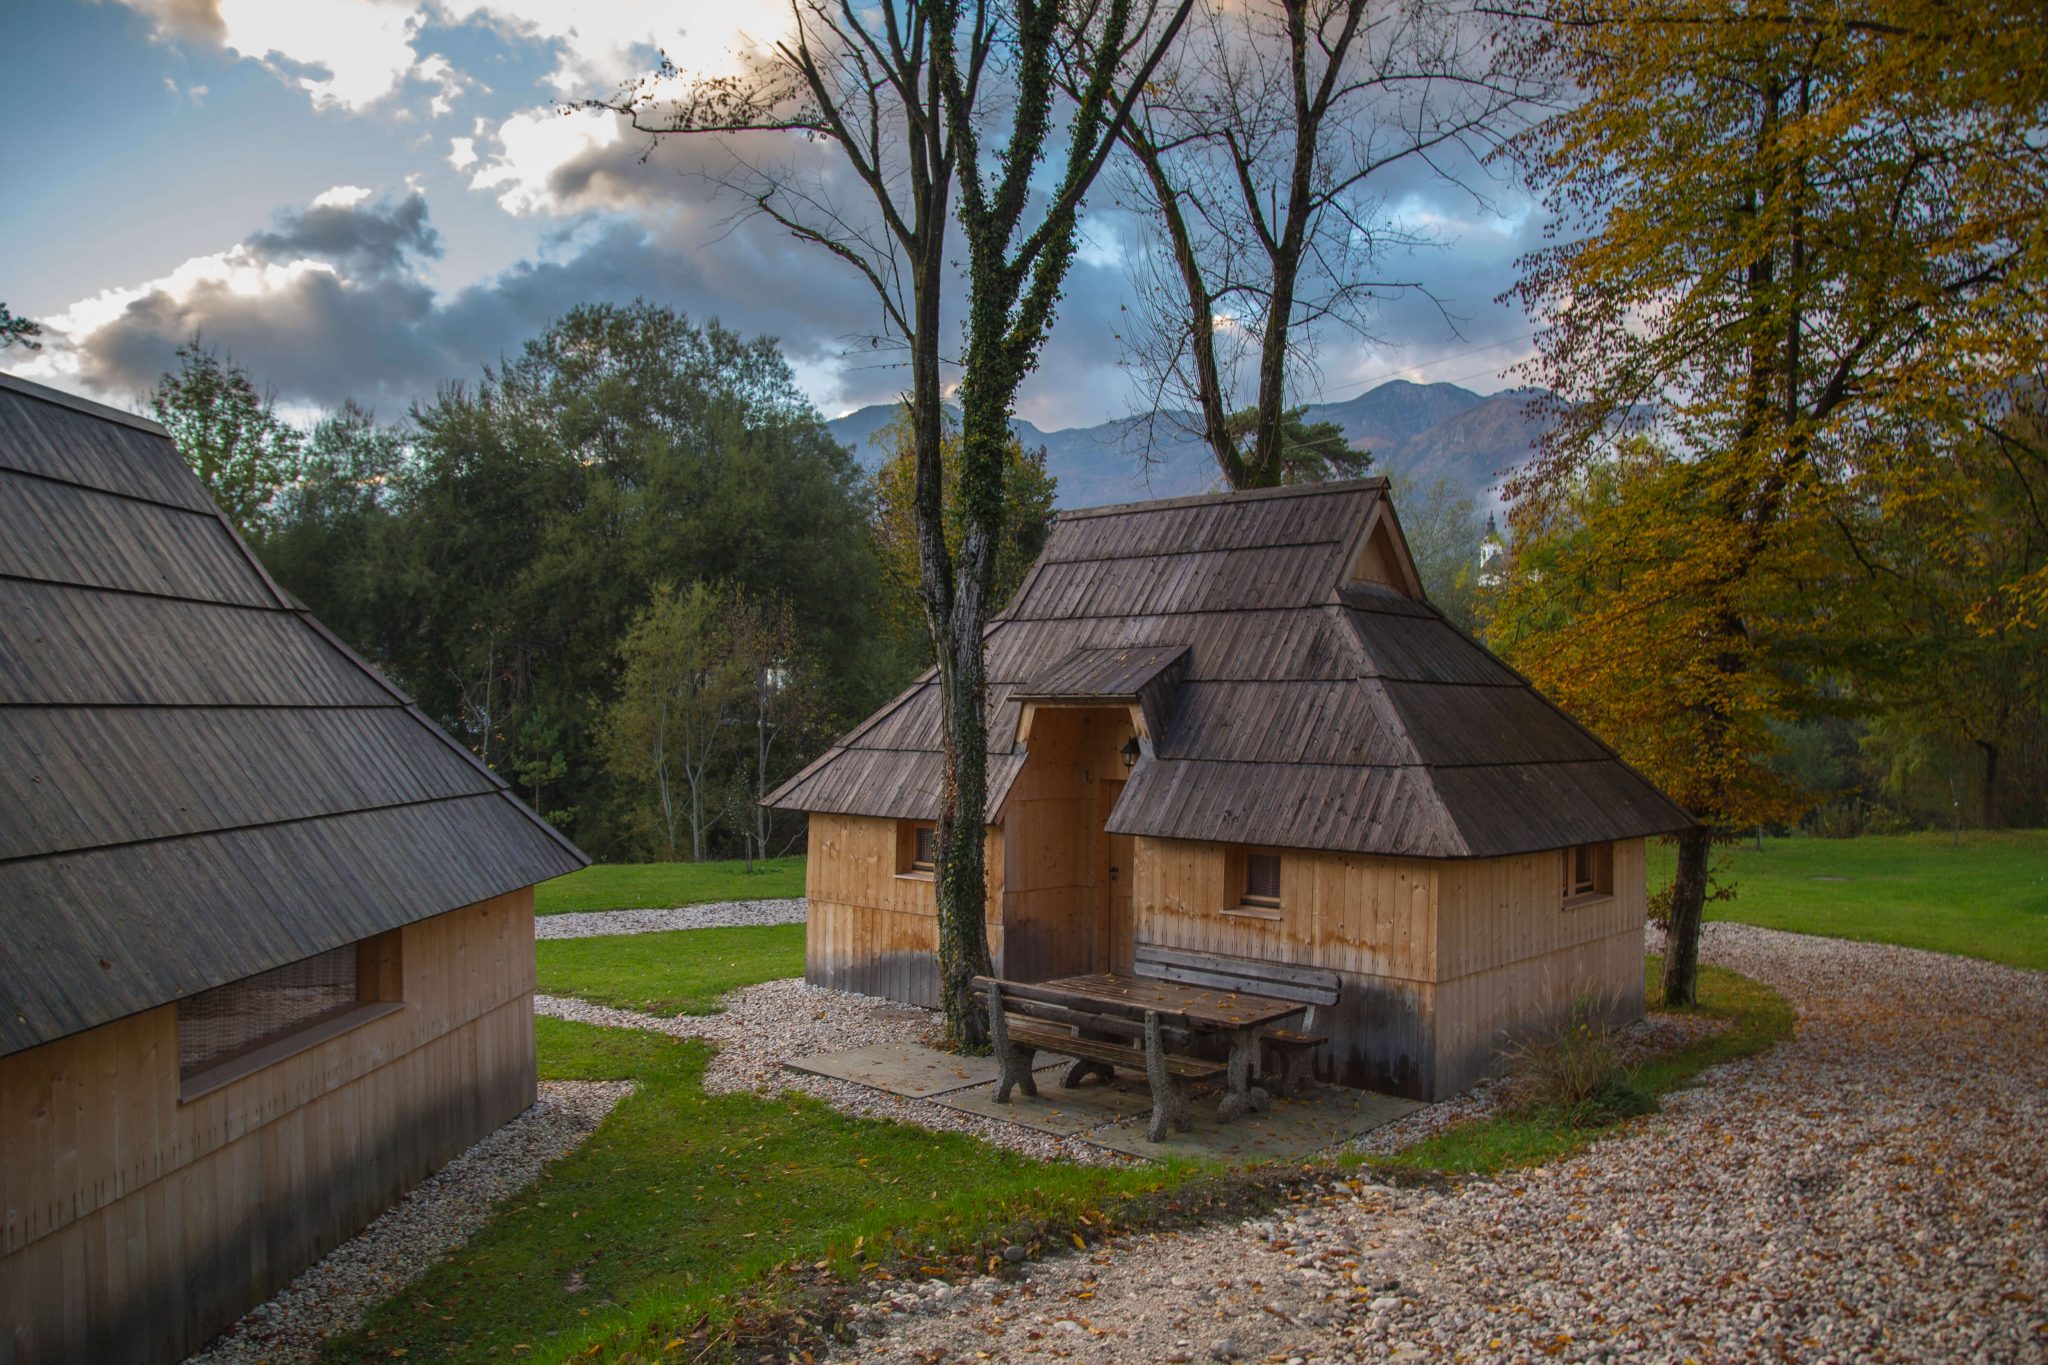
pixel 1203 1007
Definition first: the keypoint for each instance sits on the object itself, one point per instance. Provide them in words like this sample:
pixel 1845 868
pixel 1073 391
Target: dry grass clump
pixel 1572 1071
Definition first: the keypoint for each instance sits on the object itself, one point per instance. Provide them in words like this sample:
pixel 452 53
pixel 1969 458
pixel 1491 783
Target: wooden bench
pixel 1025 1020
pixel 1315 987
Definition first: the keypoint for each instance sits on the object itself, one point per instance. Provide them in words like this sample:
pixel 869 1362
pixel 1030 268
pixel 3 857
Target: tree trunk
pixel 1990 783
pixel 1688 909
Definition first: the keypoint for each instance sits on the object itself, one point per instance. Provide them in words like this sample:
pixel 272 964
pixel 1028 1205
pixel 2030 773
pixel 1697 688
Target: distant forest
pixel 634 572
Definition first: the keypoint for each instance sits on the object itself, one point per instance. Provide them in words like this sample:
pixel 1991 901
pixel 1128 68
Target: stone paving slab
pixel 908 1069
pixel 1110 1116
pixel 1290 1129
pixel 1066 1113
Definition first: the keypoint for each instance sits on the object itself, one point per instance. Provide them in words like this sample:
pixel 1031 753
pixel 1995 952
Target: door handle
pixel 1112 871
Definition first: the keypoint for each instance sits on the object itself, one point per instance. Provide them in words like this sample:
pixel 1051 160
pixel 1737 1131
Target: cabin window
pixel 1262 879
pixel 917 848
pixel 231 1030
pixel 1588 872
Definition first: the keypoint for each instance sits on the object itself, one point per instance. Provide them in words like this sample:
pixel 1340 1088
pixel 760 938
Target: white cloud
pixel 462 152
pixel 602 45
pixel 532 148
pixel 363 47
pixel 340 197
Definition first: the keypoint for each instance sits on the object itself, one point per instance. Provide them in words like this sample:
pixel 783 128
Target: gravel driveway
pixel 715 915
pixel 1875 1188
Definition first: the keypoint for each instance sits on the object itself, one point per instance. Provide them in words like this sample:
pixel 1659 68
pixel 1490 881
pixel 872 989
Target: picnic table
pixel 1238 1016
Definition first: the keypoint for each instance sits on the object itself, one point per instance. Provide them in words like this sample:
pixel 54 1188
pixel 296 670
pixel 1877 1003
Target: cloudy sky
pixel 372 197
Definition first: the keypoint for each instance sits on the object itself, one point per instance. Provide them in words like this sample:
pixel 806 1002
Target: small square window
pixel 924 848
pixel 1588 871
pixel 1262 879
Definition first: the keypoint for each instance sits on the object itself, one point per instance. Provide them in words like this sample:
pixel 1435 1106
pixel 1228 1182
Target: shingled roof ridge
pixel 59 398
pixel 1224 497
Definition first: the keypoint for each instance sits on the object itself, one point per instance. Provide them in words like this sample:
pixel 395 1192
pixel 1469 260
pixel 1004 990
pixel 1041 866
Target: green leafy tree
pixel 533 512
pixel 20 332
pixel 1444 532
pixel 673 724
pixel 1309 452
pixel 1943 549
pixel 229 433
pixel 327 534
pixel 1029 490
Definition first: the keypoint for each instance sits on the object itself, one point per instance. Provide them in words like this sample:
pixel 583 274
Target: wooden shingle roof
pixel 199 782
pixel 1311 706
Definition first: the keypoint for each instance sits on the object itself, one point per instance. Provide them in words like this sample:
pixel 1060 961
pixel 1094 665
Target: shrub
pixel 1572 1072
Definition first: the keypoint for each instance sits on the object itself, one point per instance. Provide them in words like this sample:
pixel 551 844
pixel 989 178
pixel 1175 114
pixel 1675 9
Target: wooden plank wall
pixel 1441 960
pixel 1372 920
pixel 136 1227
pixel 1513 956
pixel 872 929
pixel 1053 838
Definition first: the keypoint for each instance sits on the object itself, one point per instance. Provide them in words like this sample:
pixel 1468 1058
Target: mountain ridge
pixel 1421 432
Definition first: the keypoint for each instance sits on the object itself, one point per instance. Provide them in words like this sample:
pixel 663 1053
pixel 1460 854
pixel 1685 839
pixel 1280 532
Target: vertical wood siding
pixel 1514 957
pixel 135 1227
pixel 1441 961
pixel 872 930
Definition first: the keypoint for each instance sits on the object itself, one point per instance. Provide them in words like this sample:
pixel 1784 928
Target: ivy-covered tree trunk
pixel 1688 910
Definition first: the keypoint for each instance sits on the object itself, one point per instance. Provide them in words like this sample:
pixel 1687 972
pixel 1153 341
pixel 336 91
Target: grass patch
pixel 1758 1017
pixel 1987 898
pixel 682 1201
pixel 682 971
pixel 659 886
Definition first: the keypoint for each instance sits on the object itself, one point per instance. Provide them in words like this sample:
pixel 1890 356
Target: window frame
pixel 1586 873
pixel 1239 902
pixel 908 834
pixel 380 991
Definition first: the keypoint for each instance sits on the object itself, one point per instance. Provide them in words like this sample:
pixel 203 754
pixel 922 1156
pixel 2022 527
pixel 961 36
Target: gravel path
pixel 766 1025
pixel 717 915
pixel 440 1214
pixel 1875 1188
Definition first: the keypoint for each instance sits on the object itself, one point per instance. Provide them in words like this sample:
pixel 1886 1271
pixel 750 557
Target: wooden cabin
pixel 1233 724
pixel 266 934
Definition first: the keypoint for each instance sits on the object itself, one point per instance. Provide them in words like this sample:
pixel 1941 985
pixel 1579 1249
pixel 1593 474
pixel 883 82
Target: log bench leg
pixel 1082 1069
pixel 1014 1060
pixel 1243 1097
pixel 1169 1096
pixel 1297 1070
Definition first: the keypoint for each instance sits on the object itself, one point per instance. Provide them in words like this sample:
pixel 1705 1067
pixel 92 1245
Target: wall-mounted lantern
pixel 1129 753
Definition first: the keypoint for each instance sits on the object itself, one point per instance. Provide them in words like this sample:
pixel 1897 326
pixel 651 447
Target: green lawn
pixel 1759 1015
pixel 684 1203
pixel 683 971
pixel 1988 898
pixel 658 886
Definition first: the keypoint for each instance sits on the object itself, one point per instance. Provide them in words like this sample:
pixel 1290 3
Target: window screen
pixel 1262 878
pixel 922 857
pixel 224 1023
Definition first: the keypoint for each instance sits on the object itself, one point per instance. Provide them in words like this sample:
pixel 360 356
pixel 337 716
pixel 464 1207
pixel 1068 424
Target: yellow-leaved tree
pixel 1796 245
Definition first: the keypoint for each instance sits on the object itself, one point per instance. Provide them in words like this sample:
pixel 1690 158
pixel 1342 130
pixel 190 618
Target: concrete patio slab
pixel 1289 1130
pixel 908 1069
pixel 1064 1113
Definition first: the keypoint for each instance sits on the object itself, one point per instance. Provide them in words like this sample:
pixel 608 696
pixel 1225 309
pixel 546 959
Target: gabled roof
pixel 197 781
pixel 1319 702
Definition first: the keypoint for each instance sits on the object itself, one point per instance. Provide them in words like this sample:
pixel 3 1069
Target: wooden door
pixel 1118 926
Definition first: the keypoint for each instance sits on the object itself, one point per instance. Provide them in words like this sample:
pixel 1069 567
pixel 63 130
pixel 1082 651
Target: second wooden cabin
pixel 1233 724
